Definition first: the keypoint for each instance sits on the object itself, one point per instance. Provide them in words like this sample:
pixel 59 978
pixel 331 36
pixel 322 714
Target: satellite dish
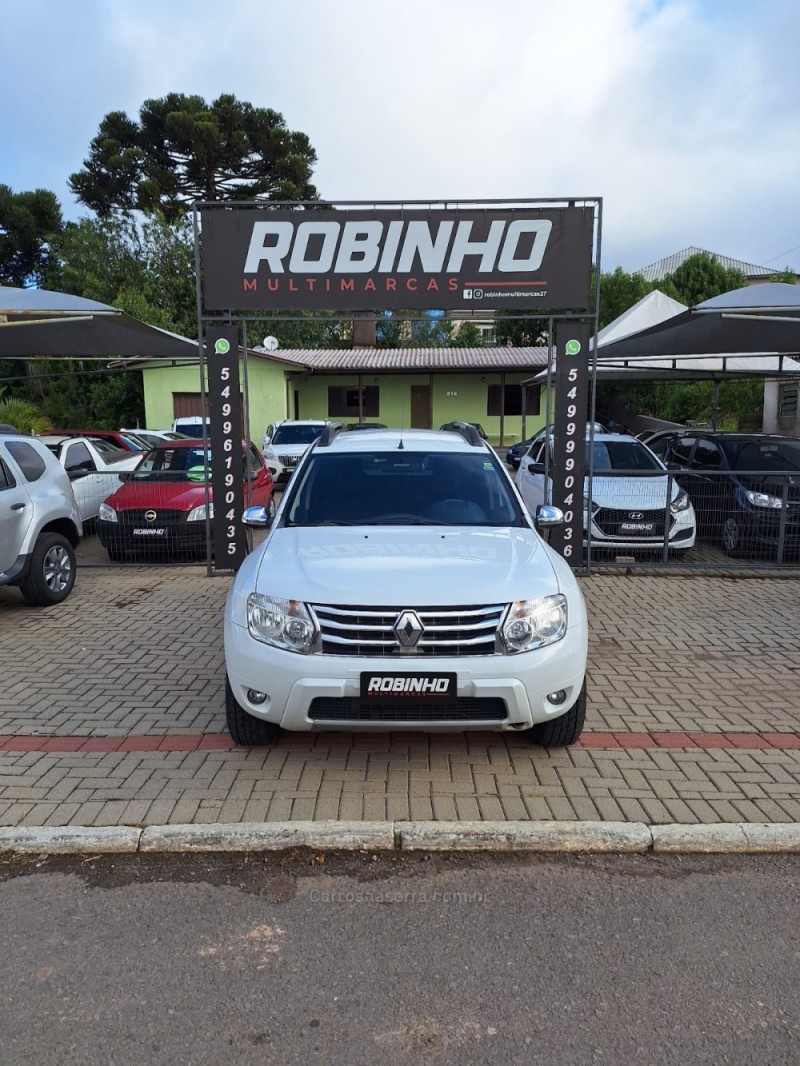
pixel 271 344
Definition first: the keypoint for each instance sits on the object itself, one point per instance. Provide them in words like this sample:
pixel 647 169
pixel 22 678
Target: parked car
pixel 285 442
pixel 741 485
pixel 161 507
pixel 124 440
pixel 628 508
pixel 40 525
pixel 402 585
pixel 366 425
pixel 93 466
pixel 659 440
pixel 151 437
pixel 192 426
pixel 516 451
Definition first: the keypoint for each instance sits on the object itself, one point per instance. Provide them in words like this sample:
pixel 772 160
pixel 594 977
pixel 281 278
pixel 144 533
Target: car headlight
pixel 761 499
pixel 198 514
pixel 107 514
pixel 270 455
pixel 531 624
pixel 282 623
pixel 680 503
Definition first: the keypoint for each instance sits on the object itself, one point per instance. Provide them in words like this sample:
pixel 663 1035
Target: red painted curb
pixel 222 742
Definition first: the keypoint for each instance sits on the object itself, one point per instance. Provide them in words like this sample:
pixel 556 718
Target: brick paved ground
pixel 694 716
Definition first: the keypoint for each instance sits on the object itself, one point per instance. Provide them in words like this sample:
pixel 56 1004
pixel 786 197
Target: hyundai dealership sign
pixel 322 259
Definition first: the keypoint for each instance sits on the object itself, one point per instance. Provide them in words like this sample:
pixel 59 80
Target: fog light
pixel 557 698
pixel 255 696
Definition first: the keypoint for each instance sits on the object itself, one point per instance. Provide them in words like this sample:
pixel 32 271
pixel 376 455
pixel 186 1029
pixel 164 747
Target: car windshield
pixel 173 464
pixel 110 452
pixel 403 488
pixel 766 455
pixel 622 455
pixel 193 429
pixel 296 434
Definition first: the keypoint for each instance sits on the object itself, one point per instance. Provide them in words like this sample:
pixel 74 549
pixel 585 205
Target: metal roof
pixel 408 359
pixel 659 270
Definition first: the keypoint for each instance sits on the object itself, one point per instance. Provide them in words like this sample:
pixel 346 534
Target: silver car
pixel 40 524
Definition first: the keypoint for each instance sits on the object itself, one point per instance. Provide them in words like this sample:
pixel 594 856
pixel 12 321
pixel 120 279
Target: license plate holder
pixel 410 687
pixel 155 532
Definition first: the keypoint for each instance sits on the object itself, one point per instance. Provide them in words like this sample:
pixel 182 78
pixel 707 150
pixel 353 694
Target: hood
pixel 175 495
pixel 288 449
pixel 626 493
pixel 396 566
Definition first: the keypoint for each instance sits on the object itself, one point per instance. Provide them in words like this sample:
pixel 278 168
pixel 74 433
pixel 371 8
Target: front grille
pixel 290 461
pixel 448 631
pixel 609 522
pixel 344 709
pixel 163 517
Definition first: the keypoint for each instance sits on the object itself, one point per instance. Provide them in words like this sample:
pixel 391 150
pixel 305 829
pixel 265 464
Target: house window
pixel 787 401
pixel 512 395
pixel 343 401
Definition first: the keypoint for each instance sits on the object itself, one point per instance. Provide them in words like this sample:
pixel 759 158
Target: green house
pixel 415 387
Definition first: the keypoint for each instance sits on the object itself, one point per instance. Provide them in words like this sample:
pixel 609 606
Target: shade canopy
pixel 38 323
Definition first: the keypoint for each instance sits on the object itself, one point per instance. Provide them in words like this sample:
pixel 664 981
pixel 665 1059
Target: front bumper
pixel 177 537
pixel 607 532
pixel 292 682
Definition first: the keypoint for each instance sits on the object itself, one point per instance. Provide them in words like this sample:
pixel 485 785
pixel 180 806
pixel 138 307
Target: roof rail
pixel 329 433
pixel 6 428
pixel 469 433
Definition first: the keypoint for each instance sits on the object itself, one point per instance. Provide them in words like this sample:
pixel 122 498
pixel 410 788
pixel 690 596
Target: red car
pixel 161 507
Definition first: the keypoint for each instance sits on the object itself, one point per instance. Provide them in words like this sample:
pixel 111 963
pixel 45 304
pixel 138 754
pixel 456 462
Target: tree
pixel 29 223
pixel 183 149
pixel 701 276
pixel 468 335
pixel 787 276
pixel 520 332
pixel 24 416
pixel 619 291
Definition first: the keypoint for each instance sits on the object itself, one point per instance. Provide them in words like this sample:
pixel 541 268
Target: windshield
pixel 173 464
pixel 193 429
pixel 403 488
pixel 296 434
pixel 622 455
pixel 110 452
pixel 766 455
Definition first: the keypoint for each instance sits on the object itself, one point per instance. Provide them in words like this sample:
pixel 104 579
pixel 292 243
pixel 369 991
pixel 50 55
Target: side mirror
pixel 125 475
pixel 535 468
pixel 674 467
pixel 256 517
pixel 547 516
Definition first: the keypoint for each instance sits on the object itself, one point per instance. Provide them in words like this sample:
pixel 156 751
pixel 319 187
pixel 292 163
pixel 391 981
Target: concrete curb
pixel 524 836
pixel 70 840
pixel 270 836
pixel 545 836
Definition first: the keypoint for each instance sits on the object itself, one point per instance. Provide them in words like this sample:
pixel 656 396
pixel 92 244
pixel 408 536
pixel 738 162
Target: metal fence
pixel 700 519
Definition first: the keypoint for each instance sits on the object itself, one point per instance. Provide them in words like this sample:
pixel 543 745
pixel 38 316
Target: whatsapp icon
pixel 572 347
pixel 222 347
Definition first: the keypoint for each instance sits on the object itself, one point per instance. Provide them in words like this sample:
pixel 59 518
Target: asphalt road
pixel 306 959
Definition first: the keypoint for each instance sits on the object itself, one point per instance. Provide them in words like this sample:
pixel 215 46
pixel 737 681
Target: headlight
pixel 270 455
pixel 107 514
pixel 282 623
pixel 761 499
pixel 680 503
pixel 198 514
pixel 531 624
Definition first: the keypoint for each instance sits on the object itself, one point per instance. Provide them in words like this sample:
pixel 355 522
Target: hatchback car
pixel 161 507
pixel 744 487
pixel 402 585
pixel 629 508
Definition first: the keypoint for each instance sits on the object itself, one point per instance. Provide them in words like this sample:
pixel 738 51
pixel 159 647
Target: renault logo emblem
pixel 408 629
pixel 150 516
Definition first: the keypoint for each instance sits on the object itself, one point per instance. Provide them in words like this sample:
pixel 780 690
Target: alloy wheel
pixel 57 568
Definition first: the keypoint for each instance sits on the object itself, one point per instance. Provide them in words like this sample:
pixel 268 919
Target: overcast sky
pixel 682 115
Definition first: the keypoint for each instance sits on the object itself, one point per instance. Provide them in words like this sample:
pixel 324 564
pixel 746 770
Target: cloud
pixel 681 114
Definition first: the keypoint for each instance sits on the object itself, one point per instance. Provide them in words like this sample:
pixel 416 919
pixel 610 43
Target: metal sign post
pixel 227 460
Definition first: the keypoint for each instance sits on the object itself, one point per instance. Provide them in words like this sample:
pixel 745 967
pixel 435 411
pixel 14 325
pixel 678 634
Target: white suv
pixel 403 585
pixel 40 524
pixel 285 443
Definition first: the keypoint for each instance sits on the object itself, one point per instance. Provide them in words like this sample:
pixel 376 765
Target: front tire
pixel 562 731
pixel 734 535
pixel 52 571
pixel 243 727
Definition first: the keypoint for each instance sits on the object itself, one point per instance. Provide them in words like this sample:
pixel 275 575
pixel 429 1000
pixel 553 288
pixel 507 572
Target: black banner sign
pixel 227 461
pixel 315 259
pixel 569 436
